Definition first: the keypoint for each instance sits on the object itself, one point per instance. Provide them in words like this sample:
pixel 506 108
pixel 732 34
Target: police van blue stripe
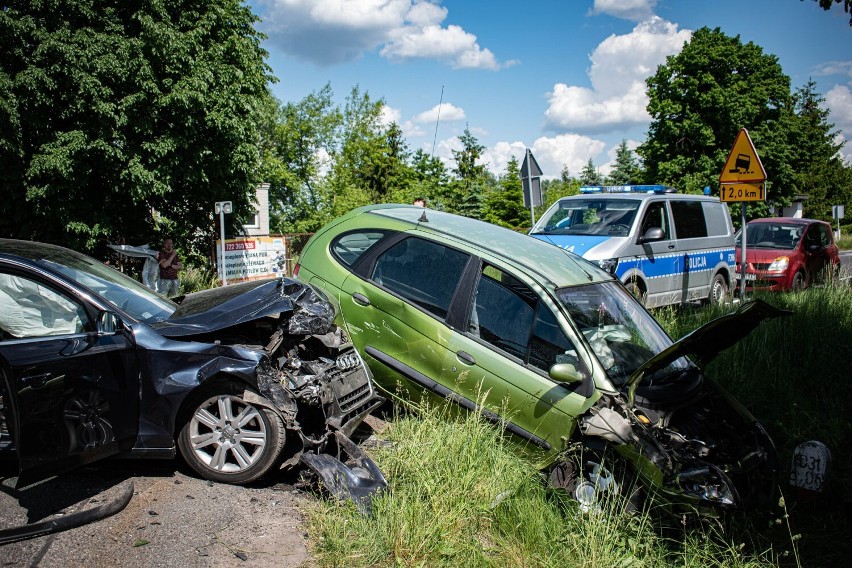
pixel 677 263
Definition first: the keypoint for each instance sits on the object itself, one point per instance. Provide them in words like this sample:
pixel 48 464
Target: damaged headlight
pixel 609 264
pixel 709 484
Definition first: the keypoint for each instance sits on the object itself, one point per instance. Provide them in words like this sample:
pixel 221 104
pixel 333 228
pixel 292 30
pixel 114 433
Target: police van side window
pixel 715 214
pixel 689 219
pixel 656 217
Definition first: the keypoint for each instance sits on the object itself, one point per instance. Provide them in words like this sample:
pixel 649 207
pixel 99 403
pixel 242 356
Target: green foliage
pixel 302 134
pixel 130 108
pixel 625 170
pixel 590 175
pixel 701 97
pixel 505 205
pixel 459 496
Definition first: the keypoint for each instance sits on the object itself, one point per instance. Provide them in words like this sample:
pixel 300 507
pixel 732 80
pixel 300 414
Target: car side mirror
pixel 651 235
pixel 565 373
pixel 109 323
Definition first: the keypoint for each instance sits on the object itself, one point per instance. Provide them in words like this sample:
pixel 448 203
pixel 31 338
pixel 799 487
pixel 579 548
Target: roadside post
pixel 743 179
pixel 221 208
pixel 837 211
pixel 531 181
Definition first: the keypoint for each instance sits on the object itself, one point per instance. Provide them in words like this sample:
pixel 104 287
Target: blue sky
pixel 565 78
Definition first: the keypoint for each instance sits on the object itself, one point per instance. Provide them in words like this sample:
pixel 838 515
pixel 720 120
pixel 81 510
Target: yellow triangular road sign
pixel 743 164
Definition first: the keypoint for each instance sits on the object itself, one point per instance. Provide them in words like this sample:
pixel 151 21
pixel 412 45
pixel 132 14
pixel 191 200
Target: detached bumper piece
pixel 350 475
pixel 71 521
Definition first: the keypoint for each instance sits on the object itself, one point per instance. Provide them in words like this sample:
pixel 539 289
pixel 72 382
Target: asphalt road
pixel 846 260
pixel 173 519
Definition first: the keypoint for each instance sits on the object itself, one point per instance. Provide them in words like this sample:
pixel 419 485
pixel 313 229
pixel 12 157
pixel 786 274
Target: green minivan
pixel 547 345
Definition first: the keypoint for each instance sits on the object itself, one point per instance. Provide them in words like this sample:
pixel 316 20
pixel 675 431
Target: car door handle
pixel 671 247
pixel 361 299
pixel 466 358
pixel 35 380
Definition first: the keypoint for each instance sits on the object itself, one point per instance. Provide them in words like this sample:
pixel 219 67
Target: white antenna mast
pixel 437 120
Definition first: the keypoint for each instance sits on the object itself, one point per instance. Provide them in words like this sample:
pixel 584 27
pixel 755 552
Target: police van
pixel 666 247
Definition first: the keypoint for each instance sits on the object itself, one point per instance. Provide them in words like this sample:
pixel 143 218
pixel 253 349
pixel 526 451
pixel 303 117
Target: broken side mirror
pixel 565 373
pixel 109 323
pixel 651 235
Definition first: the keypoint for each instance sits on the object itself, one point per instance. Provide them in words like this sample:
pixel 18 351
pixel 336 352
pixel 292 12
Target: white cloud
pixel 635 10
pixel 620 65
pixel 834 68
pixel 328 32
pixel 839 101
pixel 498 155
pixel 448 112
pixel 389 115
pixel 571 150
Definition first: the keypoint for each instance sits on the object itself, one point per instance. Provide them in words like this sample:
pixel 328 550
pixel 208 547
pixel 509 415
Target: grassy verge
pixel 460 497
pixel 793 374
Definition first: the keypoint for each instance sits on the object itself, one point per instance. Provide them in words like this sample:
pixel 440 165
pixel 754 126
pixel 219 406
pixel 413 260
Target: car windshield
pixel 772 235
pixel 621 333
pixel 122 291
pixel 592 216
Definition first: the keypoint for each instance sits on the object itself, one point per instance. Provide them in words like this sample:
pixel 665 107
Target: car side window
pixel 349 247
pixel 507 314
pixel 824 236
pixel 656 217
pixel 688 217
pixel 421 271
pixel 814 236
pixel 31 309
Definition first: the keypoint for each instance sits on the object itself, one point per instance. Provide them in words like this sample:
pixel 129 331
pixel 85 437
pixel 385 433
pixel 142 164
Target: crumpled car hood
pixel 226 306
pixel 706 342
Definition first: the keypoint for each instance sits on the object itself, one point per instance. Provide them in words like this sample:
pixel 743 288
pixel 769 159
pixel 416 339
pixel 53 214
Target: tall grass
pixel 460 496
pixel 793 373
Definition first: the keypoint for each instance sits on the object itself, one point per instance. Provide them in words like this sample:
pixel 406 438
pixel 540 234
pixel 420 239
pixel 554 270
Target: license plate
pixel 749 277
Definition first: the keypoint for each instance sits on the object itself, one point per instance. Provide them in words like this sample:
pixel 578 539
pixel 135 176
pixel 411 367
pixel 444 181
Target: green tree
pixel 505 205
pixel 625 170
pixel 472 177
pixel 821 173
pixel 698 101
pixel 121 119
pixel 298 149
pixel 590 175
pixel 428 178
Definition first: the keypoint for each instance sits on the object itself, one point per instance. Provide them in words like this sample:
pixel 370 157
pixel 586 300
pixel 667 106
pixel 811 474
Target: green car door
pixel 394 307
pixel 501 355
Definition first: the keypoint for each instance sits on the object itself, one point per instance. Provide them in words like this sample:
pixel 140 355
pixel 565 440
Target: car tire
pixel 798 281
pixel 718 290
pixel 226 439
pixel 634 286
pixel 592 478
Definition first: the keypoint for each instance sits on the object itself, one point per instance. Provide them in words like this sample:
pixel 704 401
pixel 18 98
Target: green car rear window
pixel 349 247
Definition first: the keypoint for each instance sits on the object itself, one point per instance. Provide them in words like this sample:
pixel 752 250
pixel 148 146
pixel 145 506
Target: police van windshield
pixel 589 216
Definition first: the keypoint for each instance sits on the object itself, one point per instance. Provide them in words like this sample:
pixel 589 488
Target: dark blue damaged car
pixel 238 379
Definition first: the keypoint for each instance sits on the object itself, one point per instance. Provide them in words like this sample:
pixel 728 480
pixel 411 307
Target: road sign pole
pixel 743 253
pixel 530 182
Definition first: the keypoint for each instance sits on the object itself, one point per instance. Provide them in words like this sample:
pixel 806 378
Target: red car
pixel 785 253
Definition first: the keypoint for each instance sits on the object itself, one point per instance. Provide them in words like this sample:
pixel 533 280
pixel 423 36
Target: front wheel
pixel 226 439
pixel 718 291
pixel 634 286
pixel 798 281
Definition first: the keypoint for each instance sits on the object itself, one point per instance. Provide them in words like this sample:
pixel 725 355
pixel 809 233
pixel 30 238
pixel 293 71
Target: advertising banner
pixel 252 258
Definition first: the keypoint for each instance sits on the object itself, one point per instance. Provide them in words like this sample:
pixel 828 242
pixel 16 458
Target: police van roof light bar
pixel 627 189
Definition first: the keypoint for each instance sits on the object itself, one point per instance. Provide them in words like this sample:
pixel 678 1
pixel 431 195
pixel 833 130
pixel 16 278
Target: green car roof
pixel 556 265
